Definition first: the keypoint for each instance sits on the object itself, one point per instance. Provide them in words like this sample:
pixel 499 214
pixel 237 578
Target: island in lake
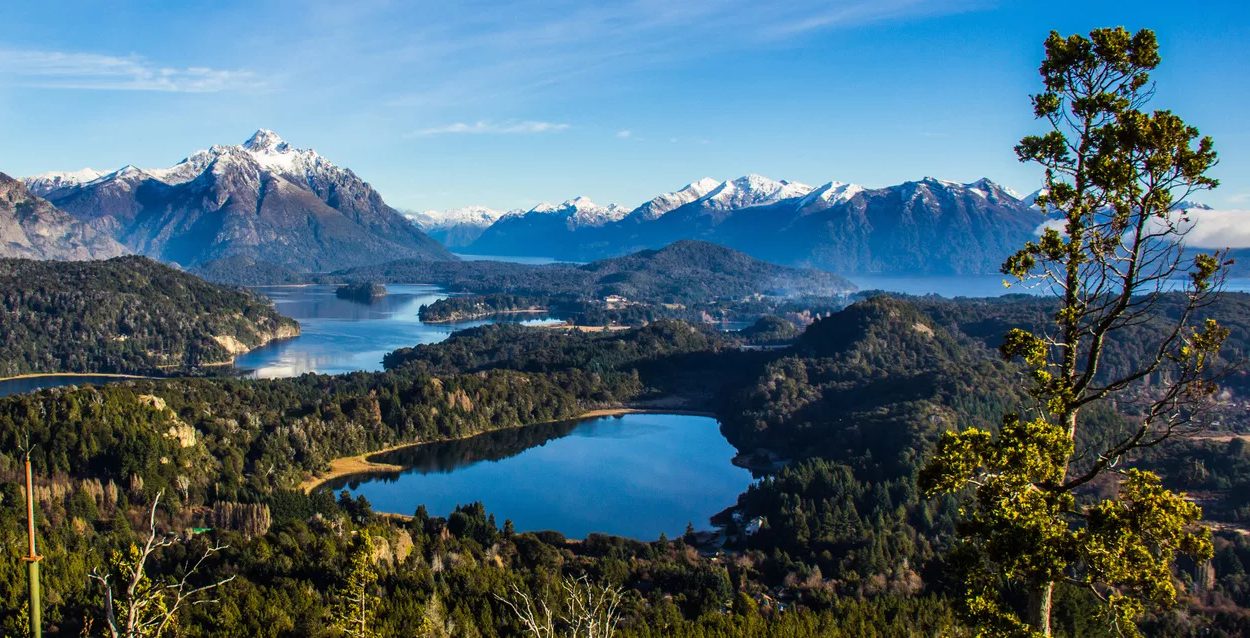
pixel 363 292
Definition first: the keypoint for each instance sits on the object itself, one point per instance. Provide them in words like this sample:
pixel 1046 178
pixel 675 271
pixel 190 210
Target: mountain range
pixel 30 227
pixel 928 226
pixel 263 200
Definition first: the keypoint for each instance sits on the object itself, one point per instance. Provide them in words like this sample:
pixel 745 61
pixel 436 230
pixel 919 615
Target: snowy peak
pixel 752 190
pixel 829 194
pixel 983 188
pixel 579 212
pixel 478 216
pixel 45 183
pixel 265 141
pixel 1190 205
pixel 129 172
pixel 661 204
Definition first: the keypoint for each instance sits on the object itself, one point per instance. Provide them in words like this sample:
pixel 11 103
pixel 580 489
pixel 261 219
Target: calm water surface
pixel 30 384
pixel 636 475
pixel 339 335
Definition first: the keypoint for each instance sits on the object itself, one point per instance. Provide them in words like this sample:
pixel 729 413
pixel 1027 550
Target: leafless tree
pixel 584 610
pixel 136 606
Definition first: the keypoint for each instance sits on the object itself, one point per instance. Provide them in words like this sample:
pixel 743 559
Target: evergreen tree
pixel 1113 174
pixel 356 602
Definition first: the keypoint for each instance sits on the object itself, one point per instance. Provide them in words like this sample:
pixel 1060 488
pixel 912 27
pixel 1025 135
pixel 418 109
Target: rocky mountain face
pixel 928 226
pixel 263 200
pixel 32 228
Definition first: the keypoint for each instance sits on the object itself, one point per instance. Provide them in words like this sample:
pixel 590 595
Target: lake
pixel 340 335
pixel 39 382
pixel 636 475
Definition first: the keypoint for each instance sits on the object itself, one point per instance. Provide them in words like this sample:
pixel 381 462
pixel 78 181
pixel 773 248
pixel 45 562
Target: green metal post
pixel 36 610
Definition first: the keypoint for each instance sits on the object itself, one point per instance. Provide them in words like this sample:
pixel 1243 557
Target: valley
pixel 241 394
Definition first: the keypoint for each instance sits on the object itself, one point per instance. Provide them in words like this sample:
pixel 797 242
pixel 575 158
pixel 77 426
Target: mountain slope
pixel 128 314
pixel 684 272
pixel 456 227
pixel 926 226
pixel 545 229
pixel 30 227
pixel 263 199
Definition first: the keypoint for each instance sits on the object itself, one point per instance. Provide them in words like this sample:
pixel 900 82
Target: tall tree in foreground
pixel 139 606
pixel 355 601
pixel 1030 521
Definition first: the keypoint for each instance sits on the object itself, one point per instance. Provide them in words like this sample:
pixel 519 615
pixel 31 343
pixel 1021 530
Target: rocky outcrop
pixel 32 228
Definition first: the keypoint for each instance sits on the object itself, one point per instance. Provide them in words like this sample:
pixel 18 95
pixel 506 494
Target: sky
pixel 446 104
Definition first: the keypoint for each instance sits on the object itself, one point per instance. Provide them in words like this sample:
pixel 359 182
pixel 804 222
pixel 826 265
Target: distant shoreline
pixel 41 375
pixel 519 311
pixel 344 466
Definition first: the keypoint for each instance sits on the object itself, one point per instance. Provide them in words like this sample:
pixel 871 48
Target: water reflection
pixel 638 475
pixel 340 335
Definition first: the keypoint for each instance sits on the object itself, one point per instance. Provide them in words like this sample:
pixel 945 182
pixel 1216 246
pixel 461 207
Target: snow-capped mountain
pixel 829 194
pixel 45 183
pixel 1190 205
pixel 472 215
pixel 924 226
pixel 32 228
pixel 752 190
pixel 662 204
pixel 263 199
pixel 456 227
pixel 580 212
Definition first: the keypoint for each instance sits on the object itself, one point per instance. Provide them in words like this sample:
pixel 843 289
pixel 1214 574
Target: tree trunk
pixel 1039 608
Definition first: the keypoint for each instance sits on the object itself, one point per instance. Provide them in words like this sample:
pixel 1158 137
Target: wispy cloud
pixel 486 127
pixel 624 134
pixel 96 71
pixel 854 13
pixel 1203 228
pixel 536 48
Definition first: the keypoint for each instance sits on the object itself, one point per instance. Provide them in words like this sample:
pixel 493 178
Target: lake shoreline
pixel 487 315
pixel 359 464
pixel 52 375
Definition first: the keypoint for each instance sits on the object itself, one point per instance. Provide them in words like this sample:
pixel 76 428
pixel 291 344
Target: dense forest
pixel 837 419
pixel 124 315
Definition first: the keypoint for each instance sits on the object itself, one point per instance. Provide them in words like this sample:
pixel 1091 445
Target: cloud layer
pixel 1219 229
pixel 74 70
pixel 1207 228
pixel 486 127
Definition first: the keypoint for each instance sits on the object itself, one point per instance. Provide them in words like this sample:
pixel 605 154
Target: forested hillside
pixel 124 315
pixel 840 420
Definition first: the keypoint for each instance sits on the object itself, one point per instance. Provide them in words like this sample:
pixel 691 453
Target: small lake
pixel 340 335
pixel 636 475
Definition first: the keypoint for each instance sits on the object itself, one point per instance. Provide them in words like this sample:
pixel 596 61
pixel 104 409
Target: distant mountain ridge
pixel 685 271
pixel 929 226
pixel 456 227
pixel 32 228
pixel 264 200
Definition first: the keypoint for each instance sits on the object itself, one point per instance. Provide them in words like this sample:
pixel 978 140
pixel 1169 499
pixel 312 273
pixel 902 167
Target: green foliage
pixel 123 315
pixel 1113 173
pixel 355 602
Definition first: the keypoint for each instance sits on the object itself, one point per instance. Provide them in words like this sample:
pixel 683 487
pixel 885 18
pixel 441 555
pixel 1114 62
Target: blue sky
pixel 506 104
